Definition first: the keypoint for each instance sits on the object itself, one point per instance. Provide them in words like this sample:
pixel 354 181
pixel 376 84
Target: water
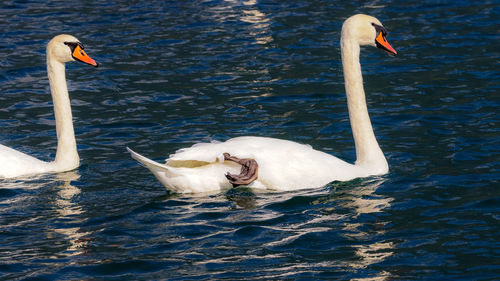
pixel 174 73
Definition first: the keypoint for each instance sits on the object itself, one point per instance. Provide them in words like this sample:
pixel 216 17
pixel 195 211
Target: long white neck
pixel 66 155
pixel 368 153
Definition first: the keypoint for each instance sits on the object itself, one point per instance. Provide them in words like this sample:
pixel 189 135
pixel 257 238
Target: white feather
pixel 282 164
pixel 14 163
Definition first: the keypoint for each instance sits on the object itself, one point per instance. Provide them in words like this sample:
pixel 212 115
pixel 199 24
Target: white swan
pixel 277 164
pixel 61 49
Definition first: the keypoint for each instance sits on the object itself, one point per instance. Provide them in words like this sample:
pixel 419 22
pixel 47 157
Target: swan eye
pixel 379 28
pixel 72 45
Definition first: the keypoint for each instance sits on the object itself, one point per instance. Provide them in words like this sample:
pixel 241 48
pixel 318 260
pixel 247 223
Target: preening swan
pixel 276 164
pixel 61 49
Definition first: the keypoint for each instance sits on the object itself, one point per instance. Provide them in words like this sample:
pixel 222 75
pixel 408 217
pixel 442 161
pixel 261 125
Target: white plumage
pixel 286 165
pixel 61 49
pixel 283 165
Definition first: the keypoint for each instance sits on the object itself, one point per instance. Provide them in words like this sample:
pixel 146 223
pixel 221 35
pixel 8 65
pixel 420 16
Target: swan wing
pixel 283 164
pixel 241 147
pixel 190 177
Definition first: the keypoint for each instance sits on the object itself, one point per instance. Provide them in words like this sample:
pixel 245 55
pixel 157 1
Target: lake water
pixel 174 73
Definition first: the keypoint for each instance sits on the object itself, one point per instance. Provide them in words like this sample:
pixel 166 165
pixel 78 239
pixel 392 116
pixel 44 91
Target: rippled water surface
pixel 174 73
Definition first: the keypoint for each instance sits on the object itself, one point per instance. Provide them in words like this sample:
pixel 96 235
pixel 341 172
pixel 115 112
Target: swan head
pixel 366 30
pixel 64 48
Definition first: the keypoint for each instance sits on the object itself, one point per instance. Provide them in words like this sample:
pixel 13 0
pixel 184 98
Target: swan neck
pixel 368 152
pixel 66 156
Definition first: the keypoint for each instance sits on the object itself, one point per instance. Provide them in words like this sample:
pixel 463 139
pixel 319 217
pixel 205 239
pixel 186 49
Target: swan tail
pixel 173 179
pixel 148 163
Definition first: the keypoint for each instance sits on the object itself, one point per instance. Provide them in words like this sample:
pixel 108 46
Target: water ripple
pixel 174 73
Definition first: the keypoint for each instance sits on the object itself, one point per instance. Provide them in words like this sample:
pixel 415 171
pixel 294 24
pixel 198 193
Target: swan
pixel 61 49
pixel 282 165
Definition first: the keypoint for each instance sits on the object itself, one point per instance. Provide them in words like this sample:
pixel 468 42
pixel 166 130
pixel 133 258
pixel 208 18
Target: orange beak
pixel 384 45
pixel 80 55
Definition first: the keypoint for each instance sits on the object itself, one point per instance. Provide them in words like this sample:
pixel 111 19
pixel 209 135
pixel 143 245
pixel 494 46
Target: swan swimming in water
pixel 61 49
pixel 275 164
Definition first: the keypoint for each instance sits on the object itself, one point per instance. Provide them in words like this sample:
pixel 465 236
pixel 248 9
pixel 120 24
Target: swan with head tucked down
pixel 61 49
pixel 276 164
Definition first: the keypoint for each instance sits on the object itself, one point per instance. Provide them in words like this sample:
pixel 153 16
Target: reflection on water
pixel 178 72
pixel 364 200
pixel 40 218
pixel 70 214
pixel 25 182
pixel 373 253
pixel 260 23
pixel 259 28
pixel 357 199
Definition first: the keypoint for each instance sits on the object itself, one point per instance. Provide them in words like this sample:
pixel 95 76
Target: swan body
pixel 13 163
pixel 282 164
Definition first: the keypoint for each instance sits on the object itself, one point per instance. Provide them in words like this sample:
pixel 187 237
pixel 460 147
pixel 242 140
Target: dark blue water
pixel 174 73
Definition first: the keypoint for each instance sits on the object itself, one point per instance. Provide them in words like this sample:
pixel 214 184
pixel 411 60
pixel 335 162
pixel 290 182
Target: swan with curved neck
pixel 61 49
pixel 277 164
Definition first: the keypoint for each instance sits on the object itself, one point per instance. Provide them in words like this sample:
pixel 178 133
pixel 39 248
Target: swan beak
pixel 80 55
pixel 384 45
